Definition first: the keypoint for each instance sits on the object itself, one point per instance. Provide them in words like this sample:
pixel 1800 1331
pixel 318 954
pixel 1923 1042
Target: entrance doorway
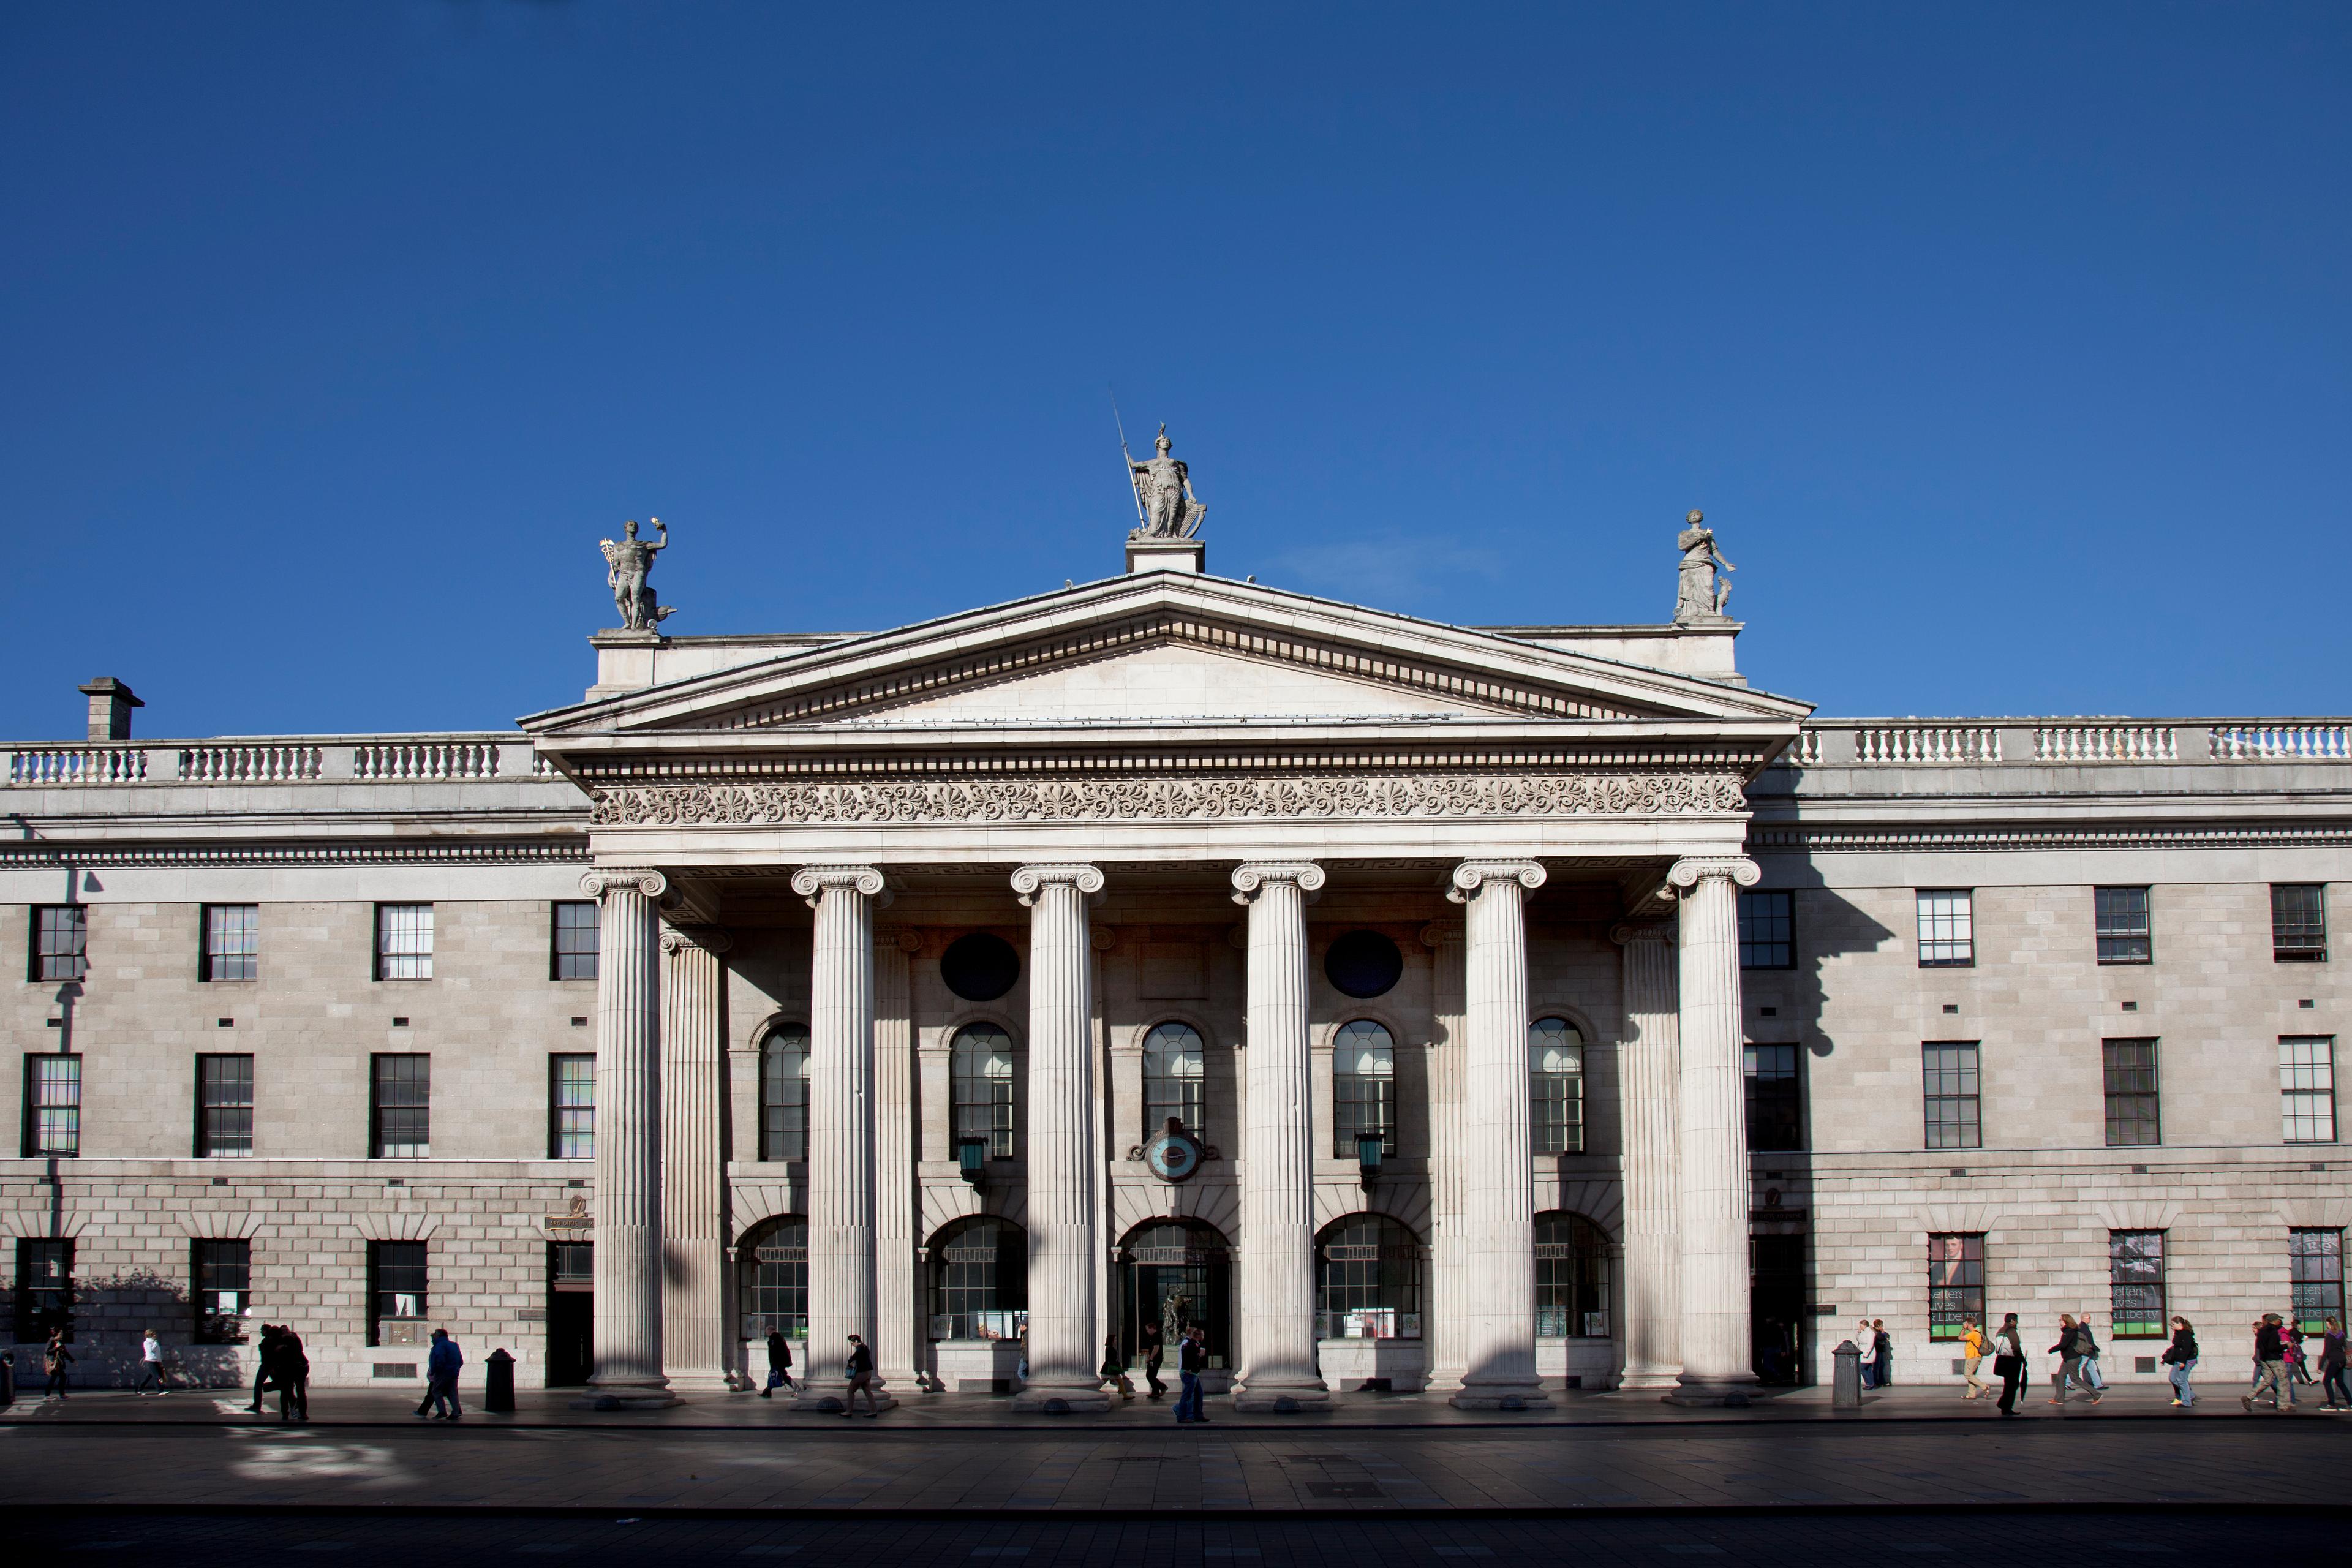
pixel 1175 1273
pixel 1777 1307
pixel 570 1313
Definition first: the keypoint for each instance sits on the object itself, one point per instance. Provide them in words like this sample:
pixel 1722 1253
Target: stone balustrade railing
pixel 364 759
pixel 2065 742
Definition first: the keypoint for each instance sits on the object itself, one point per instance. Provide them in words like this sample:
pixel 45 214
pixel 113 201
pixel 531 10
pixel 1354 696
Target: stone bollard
pixel 498 1383
pixel 1845 1386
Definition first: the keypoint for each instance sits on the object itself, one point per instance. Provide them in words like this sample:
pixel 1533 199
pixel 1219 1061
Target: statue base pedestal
pixel 1165 554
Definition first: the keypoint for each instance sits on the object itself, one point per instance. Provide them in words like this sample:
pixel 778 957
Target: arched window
pixel 979 1065
pixel 784 1093
pixel 1368 1277
pixel 773 1265
pixel 979 1280
pixel 1556 1086
pixel 1175 1080
pixel 1363 1087
pixel 1571 1277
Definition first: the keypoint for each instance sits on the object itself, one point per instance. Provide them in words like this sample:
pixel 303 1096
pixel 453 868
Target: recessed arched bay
pixel 980 967
pixel 1363 965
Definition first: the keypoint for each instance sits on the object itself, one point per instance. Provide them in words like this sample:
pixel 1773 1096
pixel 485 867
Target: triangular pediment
pixel 1169 647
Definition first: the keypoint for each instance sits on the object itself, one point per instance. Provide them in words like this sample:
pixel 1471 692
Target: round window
pixel 1363 963
pixel 980 967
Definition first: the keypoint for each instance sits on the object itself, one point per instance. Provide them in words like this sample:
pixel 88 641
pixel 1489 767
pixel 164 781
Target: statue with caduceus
pixel 628 561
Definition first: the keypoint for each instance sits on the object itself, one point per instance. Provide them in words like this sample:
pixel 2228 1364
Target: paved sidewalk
pixel 973 1412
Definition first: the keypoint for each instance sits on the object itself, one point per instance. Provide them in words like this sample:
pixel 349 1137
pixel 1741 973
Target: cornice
pixel 42 854
pixel 1910 837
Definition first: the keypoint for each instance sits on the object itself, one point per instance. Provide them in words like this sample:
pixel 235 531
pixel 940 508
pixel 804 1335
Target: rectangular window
pixel 61 941
pixel 222 1272
pixel 2136 1285
pixel 1775 1112
pixel 1950 1068
pixel 1556 1086
pixel 575 941
pixel 400 1093
pixel 44 1295
pixel 1946 929
pixel 397 1299
pixel 403 941
pixel 1956 1283
pixel 2123 929
pixel 2316 1273
pixel 571 1108
pixel 1767 930
pixel 2307 1089
pixel 52 1105
pixel 2130 1068
pixel 224 1107
pixel 2299 922
pixel 232 943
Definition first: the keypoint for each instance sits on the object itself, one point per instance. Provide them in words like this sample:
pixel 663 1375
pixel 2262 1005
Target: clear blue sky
pixel 2005 345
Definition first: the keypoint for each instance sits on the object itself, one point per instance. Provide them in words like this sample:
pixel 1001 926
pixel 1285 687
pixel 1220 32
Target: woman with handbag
pixel 2008 1364
pixel 2181 1357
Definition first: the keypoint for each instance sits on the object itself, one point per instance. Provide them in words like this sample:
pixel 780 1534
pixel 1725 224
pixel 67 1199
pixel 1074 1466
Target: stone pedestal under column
pixel 1716 1351
pixel 841 1128
pixel 628 1258
pixel 1648 1094
pixel 1277 1244
pixel 1064 1348
pixel 1496 1308
pixel 698 1340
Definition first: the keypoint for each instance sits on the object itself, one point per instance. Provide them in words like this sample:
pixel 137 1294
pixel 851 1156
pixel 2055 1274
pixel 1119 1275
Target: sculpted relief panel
pixel 1184 800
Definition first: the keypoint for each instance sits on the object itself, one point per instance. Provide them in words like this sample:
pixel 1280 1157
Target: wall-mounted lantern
pixel 1368 1158
pixel 972 1154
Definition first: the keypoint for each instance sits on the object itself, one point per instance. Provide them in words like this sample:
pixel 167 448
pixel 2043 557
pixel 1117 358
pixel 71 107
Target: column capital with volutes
pixel 644 880
pixel 1029 881
pixel 814 882
pixel 1248 878
pixel 1738 869
pixel 1626 933
pixel 1471 875
pixel 677 938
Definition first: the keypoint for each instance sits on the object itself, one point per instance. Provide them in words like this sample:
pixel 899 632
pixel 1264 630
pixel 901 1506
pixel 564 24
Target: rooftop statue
pixel 630 560
pixel 1704 587
pixel 1165 506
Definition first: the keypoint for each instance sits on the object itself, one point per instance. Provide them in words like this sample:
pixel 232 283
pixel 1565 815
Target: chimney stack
pixel 111 703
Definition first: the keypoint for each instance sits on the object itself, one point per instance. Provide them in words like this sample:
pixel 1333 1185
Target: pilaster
pixel 898 1270
pixel 1448 1276
pixel 697 1352
pixel 1650 1066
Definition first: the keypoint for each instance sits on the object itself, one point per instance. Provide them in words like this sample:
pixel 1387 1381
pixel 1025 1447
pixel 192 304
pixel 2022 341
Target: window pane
pixel 2135 1283
pixel 980 1282
pixel 1368 1271
pixel 1951 1095
pixel 403 941
pixel 1775 1107
pixel 784 1093
pixel 1946 930
pixel 775 1280
pixel 44 1293
pixel 1956 1283
pixel 572 1085
pixel 1571 1277
pixel 981 1074
pixel 53 1105
pixel 2130 1068
pixel 397 1287
pixel 2307 1089
pixel 575 941
pixel 2123 925
pixel 1767 930
pixel 2316 1272
pixel 1175 1080
pixel 1363 1087
pixel 1556 1086
pixel 60 942
pixel 232 942
pixel 401 1098
pixel 222 1282
pixel 2299 923
pixel 224 1107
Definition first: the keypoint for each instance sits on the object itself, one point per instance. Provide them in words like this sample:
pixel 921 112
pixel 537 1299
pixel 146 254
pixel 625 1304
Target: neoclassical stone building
pixel 1486 1011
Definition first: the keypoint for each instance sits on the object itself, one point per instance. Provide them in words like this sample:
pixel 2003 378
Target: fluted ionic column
pixel 628 1257
pixel 1278 1174
pixel 1718 1358
pixel 896 1275
pixel 1065 1350
pixel 698 1338
pixel 1648 1096
pixel 841 1125
pixel 1448 1279
pixel 1496 1309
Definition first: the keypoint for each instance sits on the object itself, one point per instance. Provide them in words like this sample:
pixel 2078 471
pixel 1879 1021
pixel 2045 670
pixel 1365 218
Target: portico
pixel 1130 760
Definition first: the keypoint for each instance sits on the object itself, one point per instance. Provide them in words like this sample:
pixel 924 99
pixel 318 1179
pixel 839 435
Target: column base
pixel 1067 1399
pixel 627 1397
pixel 1281 1399
pixel 1663 1378
pixel 1501 1396
pixel 702 1381
pixel 1713 1393
pixel 831 1397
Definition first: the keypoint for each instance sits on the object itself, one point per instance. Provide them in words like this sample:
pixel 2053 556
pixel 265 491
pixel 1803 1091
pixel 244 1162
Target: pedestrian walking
pixel 1154 1347
pixel 1114 1369
pixel 2298 1366
pixel 2270 1365
pixel 1867 1344
pixel 2181 1357
pixel 55 1358
pixel 1972 1350
pixel 261 1365
pixel 2008 1364
pixel 1882 1350
pixel 2070 1359
pixel 860 1373
pixel 441 1365
pixel 2086 1370
pixel 151 1366
pixel 290 1370
pixel 2331 1368
pixel 779 1363
pixel 1192 1361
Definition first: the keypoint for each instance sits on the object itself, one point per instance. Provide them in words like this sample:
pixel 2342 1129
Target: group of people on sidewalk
pixel 2280 1363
